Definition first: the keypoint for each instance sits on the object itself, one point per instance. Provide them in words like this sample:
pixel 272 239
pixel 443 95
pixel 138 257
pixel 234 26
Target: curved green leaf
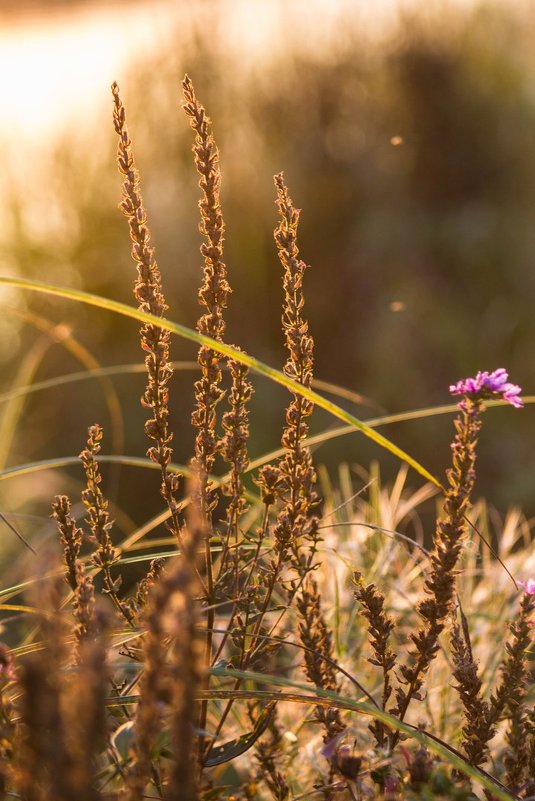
pixel 342 702
pixel 226 350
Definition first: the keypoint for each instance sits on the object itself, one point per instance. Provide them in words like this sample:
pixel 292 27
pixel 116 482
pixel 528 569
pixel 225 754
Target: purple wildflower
pixel 528 586
pixel 486 385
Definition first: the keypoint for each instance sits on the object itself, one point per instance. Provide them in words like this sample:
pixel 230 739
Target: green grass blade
pixel 366 708
pixel 86 375
pixel 225 350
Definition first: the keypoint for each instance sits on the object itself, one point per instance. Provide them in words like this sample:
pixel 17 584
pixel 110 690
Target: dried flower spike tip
pixel 487 385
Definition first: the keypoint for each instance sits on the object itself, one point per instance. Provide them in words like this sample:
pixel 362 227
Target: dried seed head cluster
pixel 70 537
pixel 380 626
pixel 296 523
pixel 448 543
pixel 148 293
pixel 171 676
pixel 214 292
pixel 98 521
pixel 476 732
pixel 233 448
pixel 316 636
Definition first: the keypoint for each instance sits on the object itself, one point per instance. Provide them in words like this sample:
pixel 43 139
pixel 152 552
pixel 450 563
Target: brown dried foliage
pixel 148 293
pixel 448 543
pixel 380 626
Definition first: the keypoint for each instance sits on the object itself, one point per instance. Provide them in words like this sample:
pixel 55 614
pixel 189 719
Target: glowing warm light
pixel 56 66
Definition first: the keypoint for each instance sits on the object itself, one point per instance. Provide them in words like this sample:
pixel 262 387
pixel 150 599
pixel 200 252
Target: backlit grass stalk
pixel 511 692
pixel 154 340
pixel 71 537
pixel 448 543
pixel 316 636
pixel 450 531
pixel 297 525
pixel 98 521
pixel 79 581
pixel 380 626
pixel 213 294
pixel 83 610
pixel 213 297
pixel 233 447
pixel 171 675
pixel 296 529
pixel 476 732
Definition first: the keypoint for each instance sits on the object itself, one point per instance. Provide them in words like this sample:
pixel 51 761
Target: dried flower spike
pixel 148 293
pixel 98 520
pixel 296 522
pixel 70 535
pixel 448 542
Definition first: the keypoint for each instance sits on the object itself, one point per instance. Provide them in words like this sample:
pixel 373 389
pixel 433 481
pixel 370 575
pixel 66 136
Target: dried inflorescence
pixel 171 676
pixel 297 525
pixel 62 713
pixel 509 698
pixel 59 746
pixel 71 537
pixel 233 448
pixel 149 294
pixel 380 626
pixel 511 693
pixel 316 636
pixel 268 756
pixel 448 543
pixel 98 521
pixel 213 294
pixel 476 732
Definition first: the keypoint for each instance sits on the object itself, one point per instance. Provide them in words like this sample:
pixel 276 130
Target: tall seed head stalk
pixel 233 448
pixel 475 731
pixel 511 692
pixel 316 636
pixel 148 293
pixel 296 528
pixel 213 294
pixel 171 674
pixel 449 536
pixel 71 537
pixel 213 297
pixel 296 523
pixel 380 626
pixel 98 520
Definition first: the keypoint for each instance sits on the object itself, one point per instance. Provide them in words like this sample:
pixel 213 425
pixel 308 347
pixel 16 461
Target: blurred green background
pixel 408 140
